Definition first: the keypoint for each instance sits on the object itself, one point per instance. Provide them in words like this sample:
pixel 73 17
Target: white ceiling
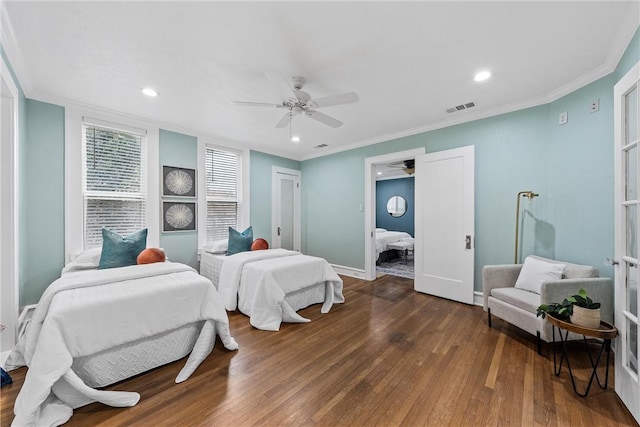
pixel 408 61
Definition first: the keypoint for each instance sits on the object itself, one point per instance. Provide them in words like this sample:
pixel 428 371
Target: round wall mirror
pixel 396 206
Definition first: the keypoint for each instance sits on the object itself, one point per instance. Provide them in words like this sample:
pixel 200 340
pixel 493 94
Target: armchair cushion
pixel 525 300
pixel 537 271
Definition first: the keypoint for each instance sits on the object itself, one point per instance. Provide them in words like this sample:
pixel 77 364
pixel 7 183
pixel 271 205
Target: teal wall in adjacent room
pixel 179 150
pixel 41 190
pixel 260 186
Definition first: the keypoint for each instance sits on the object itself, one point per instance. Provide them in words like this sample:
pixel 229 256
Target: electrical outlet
pixel 594 106
pixel 563 118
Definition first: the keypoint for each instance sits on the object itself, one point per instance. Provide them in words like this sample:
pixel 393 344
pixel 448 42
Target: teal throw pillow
pixel 239 242
pixel 118 251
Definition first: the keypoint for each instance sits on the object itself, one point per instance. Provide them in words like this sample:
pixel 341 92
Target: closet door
pixel 285 209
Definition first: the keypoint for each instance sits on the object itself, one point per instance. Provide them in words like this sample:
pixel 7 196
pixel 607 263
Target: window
pixel 113 181
pixel 223 172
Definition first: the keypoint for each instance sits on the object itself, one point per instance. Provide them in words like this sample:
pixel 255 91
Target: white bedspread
pixel 261 279
pixel 87 312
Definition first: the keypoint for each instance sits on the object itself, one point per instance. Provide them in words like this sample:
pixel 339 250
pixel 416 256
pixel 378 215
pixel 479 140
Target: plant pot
pixel 586 317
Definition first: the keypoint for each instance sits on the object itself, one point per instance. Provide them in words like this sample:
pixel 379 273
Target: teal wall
pixel 181 151
pixel 260 185
pixel 42 199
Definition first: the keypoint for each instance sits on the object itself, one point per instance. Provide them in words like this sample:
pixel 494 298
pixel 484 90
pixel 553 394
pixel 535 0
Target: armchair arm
pixel 498 276
pixel 599 289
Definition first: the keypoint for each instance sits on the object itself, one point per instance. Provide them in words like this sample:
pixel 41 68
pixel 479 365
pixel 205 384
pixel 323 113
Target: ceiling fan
pixel 297 102
pixel 407 166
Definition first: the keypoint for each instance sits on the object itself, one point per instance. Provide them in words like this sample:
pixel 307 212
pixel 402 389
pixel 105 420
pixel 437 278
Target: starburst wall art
pixel 178 182
pixel 178 216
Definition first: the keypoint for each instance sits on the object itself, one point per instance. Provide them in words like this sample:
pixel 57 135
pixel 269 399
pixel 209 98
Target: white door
pixel 444 213
pixel 285 209
pixel 627 235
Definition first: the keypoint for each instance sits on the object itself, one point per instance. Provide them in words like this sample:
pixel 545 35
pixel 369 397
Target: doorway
pixel 395 218
pixel 285 209
pixel 371 163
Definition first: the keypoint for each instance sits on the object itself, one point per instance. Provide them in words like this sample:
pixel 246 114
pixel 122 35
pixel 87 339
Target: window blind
pixel 114 183
pixel 223 191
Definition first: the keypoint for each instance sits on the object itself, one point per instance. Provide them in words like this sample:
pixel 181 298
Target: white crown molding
pixel 465 117
pixel 222 141
pixel 12 50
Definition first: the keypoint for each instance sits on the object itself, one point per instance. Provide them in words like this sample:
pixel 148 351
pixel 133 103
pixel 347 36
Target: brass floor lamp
pixel 530 195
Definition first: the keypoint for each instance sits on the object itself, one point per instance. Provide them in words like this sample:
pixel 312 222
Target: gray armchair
pixel 518 307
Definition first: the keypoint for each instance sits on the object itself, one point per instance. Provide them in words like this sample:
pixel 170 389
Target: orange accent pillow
pixel 259 244
pixel 151 255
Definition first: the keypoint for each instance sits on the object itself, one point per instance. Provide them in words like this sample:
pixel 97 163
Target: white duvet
pixel 87 312
pixel 257 282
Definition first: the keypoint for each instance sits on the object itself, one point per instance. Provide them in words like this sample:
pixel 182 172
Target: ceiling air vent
pixel 461 107
pixel 321 146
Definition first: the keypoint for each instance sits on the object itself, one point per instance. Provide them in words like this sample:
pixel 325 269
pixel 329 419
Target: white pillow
pixel 535 272
pixel 380 230
pixel 217 246
pixel 85 260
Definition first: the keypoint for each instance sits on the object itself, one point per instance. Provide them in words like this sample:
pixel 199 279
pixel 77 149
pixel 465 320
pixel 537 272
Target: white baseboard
pixel 478 298
pixel 349 271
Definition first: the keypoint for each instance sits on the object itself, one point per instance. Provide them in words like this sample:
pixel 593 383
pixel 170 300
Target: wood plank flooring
pixel 388 356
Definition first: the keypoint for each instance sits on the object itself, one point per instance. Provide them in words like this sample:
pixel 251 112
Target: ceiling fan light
pixel 150 92
pixel 482 76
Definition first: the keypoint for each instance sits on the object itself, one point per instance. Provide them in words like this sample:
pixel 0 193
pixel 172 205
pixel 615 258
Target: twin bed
pixel 92 328
pixel 270 285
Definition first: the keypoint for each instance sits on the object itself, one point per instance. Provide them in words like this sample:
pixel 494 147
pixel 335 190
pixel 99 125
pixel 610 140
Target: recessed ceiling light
pixel 149 91
pixel 379 173
pixel 482 76
pixel 295 138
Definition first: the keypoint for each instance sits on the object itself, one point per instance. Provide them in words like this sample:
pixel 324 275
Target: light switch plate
pixel 563 118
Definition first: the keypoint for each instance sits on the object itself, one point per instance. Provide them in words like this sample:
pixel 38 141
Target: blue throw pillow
pixel 239 242
pixel 118 251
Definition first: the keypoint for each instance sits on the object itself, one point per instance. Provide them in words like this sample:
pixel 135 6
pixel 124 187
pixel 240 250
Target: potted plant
pixel 579 309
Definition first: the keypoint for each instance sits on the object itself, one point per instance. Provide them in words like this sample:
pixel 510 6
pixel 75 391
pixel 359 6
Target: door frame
pixel 9 224
pixel 370 203
pixel 276 175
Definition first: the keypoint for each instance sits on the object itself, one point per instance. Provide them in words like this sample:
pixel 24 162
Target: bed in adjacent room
pixel 94 327
pixel 384 238
pixel 271 285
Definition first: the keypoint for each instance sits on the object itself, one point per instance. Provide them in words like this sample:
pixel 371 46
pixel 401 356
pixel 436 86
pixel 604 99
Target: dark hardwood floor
pixel 388 356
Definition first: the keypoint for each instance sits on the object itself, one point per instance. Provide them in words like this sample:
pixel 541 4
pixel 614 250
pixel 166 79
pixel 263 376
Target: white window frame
pixel 243 183
pixel 74 199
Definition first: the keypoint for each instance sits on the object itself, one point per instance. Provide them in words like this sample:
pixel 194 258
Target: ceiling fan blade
pixel 256 104
pixel 282 84
pixel 343 98
pixel 284 121
pixel 323 118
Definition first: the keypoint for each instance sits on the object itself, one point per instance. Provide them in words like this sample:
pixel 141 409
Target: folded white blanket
pixel 87 312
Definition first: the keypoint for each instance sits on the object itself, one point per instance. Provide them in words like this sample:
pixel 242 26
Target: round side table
pixel 606 332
